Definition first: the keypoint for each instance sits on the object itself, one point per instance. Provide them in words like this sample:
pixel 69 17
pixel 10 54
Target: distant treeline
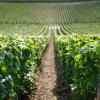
pixel 44 0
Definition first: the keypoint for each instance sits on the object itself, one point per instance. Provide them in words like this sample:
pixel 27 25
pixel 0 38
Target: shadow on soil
pixel 62 89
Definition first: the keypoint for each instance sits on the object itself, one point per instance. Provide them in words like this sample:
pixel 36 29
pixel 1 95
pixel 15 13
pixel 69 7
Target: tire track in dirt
pixel 47 77
pixel 51 84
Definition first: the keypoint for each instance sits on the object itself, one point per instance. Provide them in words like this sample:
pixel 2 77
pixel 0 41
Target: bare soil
pixel 49 84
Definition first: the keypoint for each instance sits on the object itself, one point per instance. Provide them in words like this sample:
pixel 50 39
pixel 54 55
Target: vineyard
pixel 50 51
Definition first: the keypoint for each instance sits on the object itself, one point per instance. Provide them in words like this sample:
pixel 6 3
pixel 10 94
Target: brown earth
pixel 49 84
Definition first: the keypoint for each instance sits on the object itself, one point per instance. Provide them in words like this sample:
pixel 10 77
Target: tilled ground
pixel 49 86
pixel 47 78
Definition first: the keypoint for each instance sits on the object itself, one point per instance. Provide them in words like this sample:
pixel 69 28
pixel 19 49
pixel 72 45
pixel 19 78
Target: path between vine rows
pixel 49 84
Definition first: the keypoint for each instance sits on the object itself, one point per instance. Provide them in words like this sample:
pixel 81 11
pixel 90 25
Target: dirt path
pixel 50 83
pixel 47 78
